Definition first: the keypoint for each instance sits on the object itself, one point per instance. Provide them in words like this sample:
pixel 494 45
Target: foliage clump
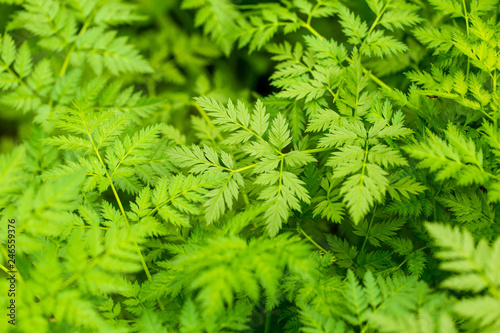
pixel 277 166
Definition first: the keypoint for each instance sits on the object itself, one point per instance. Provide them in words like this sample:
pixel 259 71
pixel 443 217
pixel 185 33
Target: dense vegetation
pixel 250 166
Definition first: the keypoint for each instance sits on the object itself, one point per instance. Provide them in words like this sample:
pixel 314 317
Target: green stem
pixel 245 168
pixel 65 64
pixel 88 227
pixel 368 230
pixel 376 79
pixel 3 268
pixel 73 47
pixel 117 197
pixel 315 8
pixel 268 322
pixel 495 115
pixel 7 258
pixel 374 24
pixel 334 95
pixel 466 17
pixel 245 199
pixel 316 150
pixel 363 170
pixel 321 248
pixel 312 30
pixel 373 77
pixel 434 201
pixel 151 86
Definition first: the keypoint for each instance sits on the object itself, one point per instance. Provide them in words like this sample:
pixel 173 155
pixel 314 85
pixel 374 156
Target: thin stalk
pixel 363 169
pixel 245 199
pixel 321 248
pixel 65 64
pixel 434 202
pixel 495 115
pixel 117 197
pixel 73 47
pixel 88 227
pixel 315 150
pixel 5 269
pixel 151 86
pixel 312 30
pixel 466 17
pixel 376 79
pixel 368 230
pixel 334 95
pixel 374 24
pixel 268 322
pixel 245 168
pixel 7 258
pixel 315 8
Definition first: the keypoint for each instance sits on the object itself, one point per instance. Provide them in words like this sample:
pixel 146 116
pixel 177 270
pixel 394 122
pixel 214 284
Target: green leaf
pixel 352 25
pixel 279 136
pixel 24 63
pixel 469 262
pixel 8 50
pixel 356 300
pixel 449 7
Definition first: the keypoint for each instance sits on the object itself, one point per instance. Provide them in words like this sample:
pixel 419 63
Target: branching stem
pixel 374 24
pixel 73 47
pixel 315 8
pixel 117 197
